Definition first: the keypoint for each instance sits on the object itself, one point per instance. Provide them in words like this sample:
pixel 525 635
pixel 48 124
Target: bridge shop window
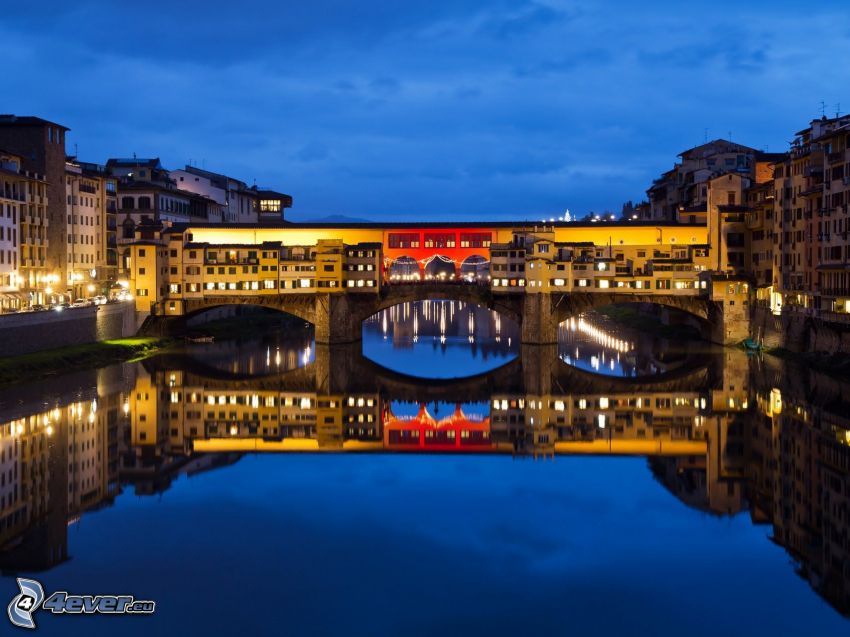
pixel 475 239
pixel 404 239
pixel 440 240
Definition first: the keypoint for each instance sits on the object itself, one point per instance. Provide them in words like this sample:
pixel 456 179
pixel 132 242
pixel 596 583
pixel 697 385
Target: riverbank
pixel 30 367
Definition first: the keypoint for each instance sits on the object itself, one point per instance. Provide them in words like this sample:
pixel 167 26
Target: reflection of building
pixel 723 448
pixel 423 432
pixel 801 479
pixel 56 464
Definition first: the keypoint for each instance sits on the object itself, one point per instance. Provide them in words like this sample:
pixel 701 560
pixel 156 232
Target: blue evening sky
pixel 438 109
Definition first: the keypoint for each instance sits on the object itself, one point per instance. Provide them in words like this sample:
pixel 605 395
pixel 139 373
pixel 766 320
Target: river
pixel 438 477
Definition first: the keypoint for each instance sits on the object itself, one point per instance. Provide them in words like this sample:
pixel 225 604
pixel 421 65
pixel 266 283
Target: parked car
pixel 60 306
pixel 39 308
pixel 99 300
pixel 81 303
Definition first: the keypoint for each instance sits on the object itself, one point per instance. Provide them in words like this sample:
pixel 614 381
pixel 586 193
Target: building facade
pixel 41 146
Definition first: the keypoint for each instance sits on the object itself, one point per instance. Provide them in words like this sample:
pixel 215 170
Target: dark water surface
pixel 270 486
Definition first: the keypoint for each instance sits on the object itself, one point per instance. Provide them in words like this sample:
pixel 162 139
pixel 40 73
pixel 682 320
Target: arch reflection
pixel 734 437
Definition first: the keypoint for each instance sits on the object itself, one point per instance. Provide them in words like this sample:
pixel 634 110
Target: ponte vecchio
pixel 336 275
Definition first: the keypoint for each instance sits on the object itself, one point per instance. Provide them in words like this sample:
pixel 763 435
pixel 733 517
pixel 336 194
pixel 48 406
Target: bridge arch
pixel 440 268
pixel 574 304
pixel 404 268
pixel 475 269
pixel 507 305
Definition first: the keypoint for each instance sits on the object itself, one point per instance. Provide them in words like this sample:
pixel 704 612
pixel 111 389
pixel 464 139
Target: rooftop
pixel 27 120
pixel 528 226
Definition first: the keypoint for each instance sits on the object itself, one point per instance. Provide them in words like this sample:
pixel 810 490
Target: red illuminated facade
pixel 452 245
pixel 422 432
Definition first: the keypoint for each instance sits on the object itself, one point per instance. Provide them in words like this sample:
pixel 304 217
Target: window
pixel 269 205
pixel 440 240
pixel 403 240
pixel 475 239
pixel 329 268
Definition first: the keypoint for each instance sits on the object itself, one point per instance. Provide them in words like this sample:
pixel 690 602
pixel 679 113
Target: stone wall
pixel 36 331
pixel 799 332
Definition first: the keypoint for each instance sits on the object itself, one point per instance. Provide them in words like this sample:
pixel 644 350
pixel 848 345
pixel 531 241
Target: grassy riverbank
pixel 29 367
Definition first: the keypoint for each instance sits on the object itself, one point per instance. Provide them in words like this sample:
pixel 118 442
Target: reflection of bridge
pixel 340 276
pixel 534 404
pixel 739 440
pixel 537 369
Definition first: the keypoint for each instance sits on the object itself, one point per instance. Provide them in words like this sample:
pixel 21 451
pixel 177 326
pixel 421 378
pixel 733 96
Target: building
pixel 23 235
pixel 107 193
pixel 683 191
pixel 726 220
pixel 760 201
pixel 811 251
pixel 271 204
pixel 41 146
pixel 13 188
pixel 86 231
pixel 239 204
pixel 148 194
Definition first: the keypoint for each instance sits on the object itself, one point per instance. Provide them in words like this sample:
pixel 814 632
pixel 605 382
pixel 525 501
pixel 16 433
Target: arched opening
pixel 475 269
pixel 440 268
pixel 404 269
pixel 248 340
pixel 440 338
pixel 631 340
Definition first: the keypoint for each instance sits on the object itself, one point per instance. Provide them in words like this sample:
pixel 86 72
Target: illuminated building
pixel 41 146
pixel 86 223
pixel 294 266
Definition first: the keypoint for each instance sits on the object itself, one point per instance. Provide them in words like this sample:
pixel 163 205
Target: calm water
pixel 613 484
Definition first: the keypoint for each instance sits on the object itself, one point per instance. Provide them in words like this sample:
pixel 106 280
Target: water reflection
pixel 595 344
pixel 738 436
pixel 450 339
pixel 440 339
pixel 264 354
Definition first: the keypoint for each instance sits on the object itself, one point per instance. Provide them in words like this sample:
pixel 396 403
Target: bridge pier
pixel 729 323
pixel 539 319
pixel 335 321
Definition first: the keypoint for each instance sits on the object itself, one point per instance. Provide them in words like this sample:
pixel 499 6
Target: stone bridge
pixel 338 317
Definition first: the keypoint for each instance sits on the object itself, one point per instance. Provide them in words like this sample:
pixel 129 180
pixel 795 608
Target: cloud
pixel 506 108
